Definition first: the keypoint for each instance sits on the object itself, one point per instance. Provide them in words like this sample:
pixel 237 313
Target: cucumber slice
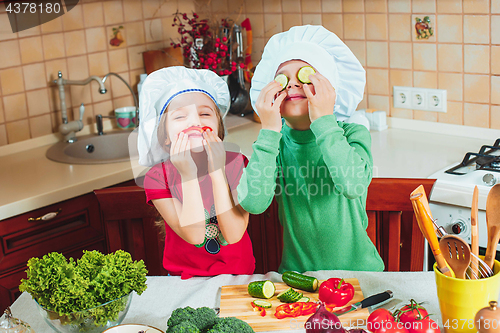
pixel 304 299
pixel 282 79
pixel 290 296
pixel 261 289
pixel 262 304
pixel 304 72
pixel 300 281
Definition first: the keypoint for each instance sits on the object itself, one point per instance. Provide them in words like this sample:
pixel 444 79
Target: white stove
pixel 451 196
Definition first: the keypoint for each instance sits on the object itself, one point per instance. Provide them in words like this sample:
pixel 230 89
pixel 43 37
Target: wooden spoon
pixel 493 224
pixel 474 245
pixel 456 253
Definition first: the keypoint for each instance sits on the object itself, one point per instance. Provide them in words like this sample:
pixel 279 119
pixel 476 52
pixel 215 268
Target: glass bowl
pixel 94 320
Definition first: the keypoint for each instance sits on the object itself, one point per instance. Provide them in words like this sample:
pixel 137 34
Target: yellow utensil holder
pixel 460 300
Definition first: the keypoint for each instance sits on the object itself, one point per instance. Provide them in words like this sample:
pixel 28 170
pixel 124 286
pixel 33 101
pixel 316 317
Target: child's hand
pixel 215 152
pixel 180 156
pixel 269 111
pixel 321 103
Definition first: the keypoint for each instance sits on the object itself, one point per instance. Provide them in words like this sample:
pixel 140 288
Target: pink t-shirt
pixel 214 256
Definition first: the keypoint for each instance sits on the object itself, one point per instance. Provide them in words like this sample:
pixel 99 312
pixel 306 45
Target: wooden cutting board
pixel 157 59
pixel 236 302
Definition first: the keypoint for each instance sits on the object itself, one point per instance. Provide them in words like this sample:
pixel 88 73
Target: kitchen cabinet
pixel 76 226
pixel 129 223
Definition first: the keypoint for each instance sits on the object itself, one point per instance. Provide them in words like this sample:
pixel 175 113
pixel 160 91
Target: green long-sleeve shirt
pixel 320 178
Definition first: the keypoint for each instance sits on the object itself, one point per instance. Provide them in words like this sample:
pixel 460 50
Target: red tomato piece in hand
pixel 206 128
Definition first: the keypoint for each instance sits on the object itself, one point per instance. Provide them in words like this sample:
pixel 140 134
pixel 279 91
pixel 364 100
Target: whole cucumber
pixel 300 281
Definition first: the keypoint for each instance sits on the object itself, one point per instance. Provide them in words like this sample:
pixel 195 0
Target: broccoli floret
pixel 184 327
pixel 202 318
pixel 230 325
pixel 179 315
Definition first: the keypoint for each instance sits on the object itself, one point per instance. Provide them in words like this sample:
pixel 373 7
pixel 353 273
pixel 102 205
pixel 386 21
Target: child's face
pixel 295 104
pixel 192 109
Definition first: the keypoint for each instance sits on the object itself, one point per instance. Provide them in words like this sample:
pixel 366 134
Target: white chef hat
pixel 159 89
pixel 324 51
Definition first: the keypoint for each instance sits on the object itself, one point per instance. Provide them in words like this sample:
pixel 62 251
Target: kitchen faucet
pixel 68 129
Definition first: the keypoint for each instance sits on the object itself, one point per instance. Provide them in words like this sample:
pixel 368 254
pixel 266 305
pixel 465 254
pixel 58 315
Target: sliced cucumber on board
pixel 261 289
pixel 262 304
pixel 300 281
pixel 290 296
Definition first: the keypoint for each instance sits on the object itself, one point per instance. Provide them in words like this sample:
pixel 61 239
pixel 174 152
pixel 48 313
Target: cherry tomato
pixel 378 319
pixel 425 325
pixel 392 327
pixel 410 313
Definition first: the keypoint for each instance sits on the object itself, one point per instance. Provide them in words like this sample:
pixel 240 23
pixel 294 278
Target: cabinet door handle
pixel 46 217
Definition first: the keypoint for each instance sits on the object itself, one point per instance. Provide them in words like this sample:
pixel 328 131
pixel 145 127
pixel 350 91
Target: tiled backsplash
pixel 463 55
pixel 77 44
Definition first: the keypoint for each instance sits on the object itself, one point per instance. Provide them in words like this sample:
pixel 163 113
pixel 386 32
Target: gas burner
pixel 488 158
pixel 490 163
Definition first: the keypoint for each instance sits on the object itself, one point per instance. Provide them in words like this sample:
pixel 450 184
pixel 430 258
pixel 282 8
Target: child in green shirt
pixel 318 166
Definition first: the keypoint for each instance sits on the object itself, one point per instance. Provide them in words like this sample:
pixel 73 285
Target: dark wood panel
pixel 385 194
pixel 130 225
pixel 266 234
pixel 391 226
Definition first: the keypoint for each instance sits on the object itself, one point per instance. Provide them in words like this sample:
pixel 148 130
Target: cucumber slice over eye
pixel 282 79
pixel 304 72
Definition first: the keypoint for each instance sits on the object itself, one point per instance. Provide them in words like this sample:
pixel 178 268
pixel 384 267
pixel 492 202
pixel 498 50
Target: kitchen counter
pixel 29 180
pixel 164 294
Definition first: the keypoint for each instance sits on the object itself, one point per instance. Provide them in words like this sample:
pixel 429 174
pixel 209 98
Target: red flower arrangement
pixel 202 47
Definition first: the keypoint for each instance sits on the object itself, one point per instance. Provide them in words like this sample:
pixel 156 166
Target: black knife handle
pixel 375 299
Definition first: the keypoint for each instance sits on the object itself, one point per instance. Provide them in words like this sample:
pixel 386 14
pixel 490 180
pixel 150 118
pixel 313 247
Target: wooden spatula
pixel 474 245
pixel 493 224
pixel 422 214
pixel 456 253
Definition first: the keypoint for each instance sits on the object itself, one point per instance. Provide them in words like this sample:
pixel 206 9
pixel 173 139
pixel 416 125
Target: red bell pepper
pixel 262 311
pixel 295 309
pixel 336 292
pixel 288 310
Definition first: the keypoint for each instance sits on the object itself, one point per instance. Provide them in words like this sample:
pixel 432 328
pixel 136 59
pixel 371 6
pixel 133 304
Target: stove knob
pixel 458 228
pixel 489 179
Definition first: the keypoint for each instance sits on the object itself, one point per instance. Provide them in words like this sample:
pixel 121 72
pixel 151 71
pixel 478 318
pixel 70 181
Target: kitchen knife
pixel 369 301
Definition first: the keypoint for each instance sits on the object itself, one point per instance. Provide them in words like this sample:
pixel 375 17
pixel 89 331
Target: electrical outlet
pixel 402 97
pixel 419 98
pixel 436 100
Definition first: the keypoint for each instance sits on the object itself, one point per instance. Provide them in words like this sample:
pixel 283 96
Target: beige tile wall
pixel 463 56
pixel 77 44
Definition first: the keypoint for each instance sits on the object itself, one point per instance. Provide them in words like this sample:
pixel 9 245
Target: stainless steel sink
pixel 111 147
